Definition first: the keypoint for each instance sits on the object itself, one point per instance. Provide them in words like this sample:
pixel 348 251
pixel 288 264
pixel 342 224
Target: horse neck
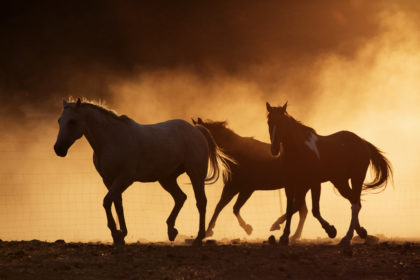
pixel 97 128
pixel 294 139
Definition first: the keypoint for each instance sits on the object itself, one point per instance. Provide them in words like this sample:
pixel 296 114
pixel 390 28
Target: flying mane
pixel 223 125
pixel 102 108
pixel 235 145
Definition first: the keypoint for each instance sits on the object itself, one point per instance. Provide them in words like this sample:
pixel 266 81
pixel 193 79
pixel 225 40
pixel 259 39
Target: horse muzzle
pixel 60 151
pixel 275 150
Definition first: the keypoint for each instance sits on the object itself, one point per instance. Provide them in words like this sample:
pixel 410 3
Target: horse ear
pixel 269 108
pixel 285 106
pixel 194 122
pixel 64 102
pixel 199 121
pixel 78 102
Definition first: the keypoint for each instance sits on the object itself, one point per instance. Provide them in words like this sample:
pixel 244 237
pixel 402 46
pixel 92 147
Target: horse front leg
pixel 290 192
pixel 113 195
pixel 316 194
pixel 122 233
pixel 295 197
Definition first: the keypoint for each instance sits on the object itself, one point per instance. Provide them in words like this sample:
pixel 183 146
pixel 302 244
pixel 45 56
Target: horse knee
pixel 315 213
pixel 182 199
pixel 107 202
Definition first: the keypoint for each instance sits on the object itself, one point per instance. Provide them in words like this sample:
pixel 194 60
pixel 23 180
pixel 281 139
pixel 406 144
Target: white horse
pixel 125 151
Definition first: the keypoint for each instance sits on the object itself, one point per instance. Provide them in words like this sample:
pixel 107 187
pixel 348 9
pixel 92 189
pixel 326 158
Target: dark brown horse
pixel 254 169
pixel 314 159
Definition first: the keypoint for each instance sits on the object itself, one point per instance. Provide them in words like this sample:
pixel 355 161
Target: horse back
pixel 341 152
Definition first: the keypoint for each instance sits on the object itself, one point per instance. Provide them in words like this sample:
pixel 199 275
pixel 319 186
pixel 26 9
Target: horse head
pixel 277 126
pixel 71 127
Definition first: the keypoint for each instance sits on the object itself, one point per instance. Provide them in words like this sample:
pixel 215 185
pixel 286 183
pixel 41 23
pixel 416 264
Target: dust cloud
pixel 367 85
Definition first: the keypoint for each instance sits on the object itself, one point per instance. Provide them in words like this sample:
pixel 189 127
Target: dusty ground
pixel 306 260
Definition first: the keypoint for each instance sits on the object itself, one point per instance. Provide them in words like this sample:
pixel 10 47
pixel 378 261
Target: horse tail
pixel 216 155
pixel 381 166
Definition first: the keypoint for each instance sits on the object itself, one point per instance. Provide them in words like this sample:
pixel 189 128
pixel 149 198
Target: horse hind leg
pixel 344 188
pixel 171 186
pixel 357 184
pixel 242 198
pixel 201 202
pixel 227 195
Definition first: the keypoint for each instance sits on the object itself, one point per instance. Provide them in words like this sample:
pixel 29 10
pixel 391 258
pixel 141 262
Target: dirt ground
pixel 237 260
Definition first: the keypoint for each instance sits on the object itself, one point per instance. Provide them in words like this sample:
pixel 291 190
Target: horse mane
pixel 224 125
pixel 100 106
pixel 300 125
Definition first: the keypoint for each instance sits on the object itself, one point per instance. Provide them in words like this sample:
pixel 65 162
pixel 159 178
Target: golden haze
pixel 375 94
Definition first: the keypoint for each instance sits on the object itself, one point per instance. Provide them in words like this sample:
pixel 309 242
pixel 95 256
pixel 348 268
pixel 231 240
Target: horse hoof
pixel 248 229
pixel 294 238
pixel 344 243
pixel 284 241
pixel 209 233
pixel 197 243
pixel 172 233
pixel 118 238
pixel 275 227
pixel 362 232
pixel 331 231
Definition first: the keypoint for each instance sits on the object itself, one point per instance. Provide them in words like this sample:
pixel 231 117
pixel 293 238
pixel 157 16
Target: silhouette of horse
pixel 125 152
pixel 314 159
pixel 254 169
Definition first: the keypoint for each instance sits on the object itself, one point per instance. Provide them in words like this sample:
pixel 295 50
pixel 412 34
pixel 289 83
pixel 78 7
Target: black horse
pixel 314 159
pixel 254 169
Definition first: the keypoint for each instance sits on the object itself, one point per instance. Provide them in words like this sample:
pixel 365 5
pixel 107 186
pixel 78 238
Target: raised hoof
pixel 172 233
pixel 197 243
pixel 248 229
pixel 362 232
pixel 275 227
pixel 209 233
pixel 331 231
pixel 284 240
pixel 118 238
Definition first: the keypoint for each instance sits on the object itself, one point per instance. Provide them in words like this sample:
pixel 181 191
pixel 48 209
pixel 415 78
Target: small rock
pixel 235 241
pixel 189 241
pixel 60 241
pixel 272 240
pixel 211 242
